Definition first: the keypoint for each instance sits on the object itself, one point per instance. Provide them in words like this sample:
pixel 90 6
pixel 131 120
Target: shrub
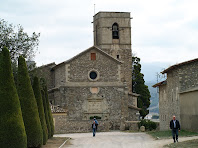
pixel 46 113
pixel 12 130
pixel 49 112
pixel 149 125
pixel 29 106
pixel 38 96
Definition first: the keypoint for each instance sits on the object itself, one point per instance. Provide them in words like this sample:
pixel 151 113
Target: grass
pixel 185 144
pixel 168 134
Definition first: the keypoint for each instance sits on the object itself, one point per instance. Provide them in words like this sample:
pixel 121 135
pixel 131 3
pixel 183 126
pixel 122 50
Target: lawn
pixel 185 144
pixel 168 134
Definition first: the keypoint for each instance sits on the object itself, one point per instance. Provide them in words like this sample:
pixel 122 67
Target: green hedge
pixel 46 113
pixel 12 130
pixel 149 125
pixel 29 106
pixel 49 112
pixel 38 96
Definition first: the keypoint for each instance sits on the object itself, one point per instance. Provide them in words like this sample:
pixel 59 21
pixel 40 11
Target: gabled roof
pixel 160 83
pixel 50 64
pixel 85 51
pixel 178 65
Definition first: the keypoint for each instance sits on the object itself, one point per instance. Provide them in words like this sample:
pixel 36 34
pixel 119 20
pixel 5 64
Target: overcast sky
pixel 164 32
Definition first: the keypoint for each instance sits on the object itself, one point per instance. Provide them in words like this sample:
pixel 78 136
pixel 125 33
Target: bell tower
pixel 112 34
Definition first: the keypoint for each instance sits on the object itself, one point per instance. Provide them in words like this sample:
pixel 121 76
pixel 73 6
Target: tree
pixel 139 87
pixel 17 41
pixel 38 96
pixel 29 106
pixel 12 132
pixel 49 111
pixel 46 111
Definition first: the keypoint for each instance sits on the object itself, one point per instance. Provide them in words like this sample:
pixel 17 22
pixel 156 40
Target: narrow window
pixel 115 31
pixel 118 56
pixel 93 56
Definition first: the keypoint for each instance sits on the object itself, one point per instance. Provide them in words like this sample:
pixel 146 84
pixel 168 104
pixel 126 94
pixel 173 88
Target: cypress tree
pixel 29 106
pixel 46 113
pixel 12 130
pixel 49 112
pixel 38 96
pixel 139 87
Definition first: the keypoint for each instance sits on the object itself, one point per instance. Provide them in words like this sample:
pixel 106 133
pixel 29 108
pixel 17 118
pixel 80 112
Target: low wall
pixel 132 125
pixel 62 125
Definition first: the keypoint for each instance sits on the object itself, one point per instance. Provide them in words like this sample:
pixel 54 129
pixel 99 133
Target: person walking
pixel 175 127
pixel 96 123
pixel 94 128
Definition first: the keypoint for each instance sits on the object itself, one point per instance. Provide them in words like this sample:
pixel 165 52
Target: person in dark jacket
pixel 94 128
pixel 96 123
pixel 175 126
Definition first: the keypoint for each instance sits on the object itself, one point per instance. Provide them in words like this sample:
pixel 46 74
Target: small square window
pixel 93 56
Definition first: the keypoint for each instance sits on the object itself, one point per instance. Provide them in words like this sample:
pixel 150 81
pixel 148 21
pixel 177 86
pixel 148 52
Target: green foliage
pixel 184 144
pixel 17 41
pixel 149 125
pixel 139 87
pixel 49 111
pixel 12 130
pixel 38 96
pixel 97 117
pixel 29 106
pixel 46 111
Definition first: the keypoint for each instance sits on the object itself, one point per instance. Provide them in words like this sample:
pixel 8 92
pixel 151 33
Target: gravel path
pixel 116 140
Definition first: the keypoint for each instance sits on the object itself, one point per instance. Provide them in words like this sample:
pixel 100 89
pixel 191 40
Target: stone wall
pixel 76 99
pixel 59 76
pixel 179 80
pixel 105 67
pixel 62 125
pixel 169 100
pixel 132 115
pixel 103 22
pixel 163 108
pixel 188 76
pixel 45 72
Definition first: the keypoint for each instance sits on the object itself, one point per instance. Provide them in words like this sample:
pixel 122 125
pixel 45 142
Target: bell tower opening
pixel 115 31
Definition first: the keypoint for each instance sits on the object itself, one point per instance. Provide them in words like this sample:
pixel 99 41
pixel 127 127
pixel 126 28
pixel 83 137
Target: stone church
pixel 96 82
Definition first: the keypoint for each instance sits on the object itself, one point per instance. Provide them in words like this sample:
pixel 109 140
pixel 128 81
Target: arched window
pixel 115 31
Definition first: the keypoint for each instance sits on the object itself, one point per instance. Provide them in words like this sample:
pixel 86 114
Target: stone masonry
pixel 178 95
pixel 97 81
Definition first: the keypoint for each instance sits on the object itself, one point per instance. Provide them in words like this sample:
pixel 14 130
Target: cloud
pixel 162 31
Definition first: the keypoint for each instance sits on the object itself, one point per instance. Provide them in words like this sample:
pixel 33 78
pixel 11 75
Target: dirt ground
pixel 116 140
pixel 55 142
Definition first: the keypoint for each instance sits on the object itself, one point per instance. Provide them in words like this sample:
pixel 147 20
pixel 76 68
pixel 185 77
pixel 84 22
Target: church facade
pixel 98 81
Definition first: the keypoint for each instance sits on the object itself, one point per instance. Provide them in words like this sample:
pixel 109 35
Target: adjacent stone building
pixel 178 95
pixel 97 81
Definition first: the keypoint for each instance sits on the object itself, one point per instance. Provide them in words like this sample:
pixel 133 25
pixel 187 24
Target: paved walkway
pixel 116 140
